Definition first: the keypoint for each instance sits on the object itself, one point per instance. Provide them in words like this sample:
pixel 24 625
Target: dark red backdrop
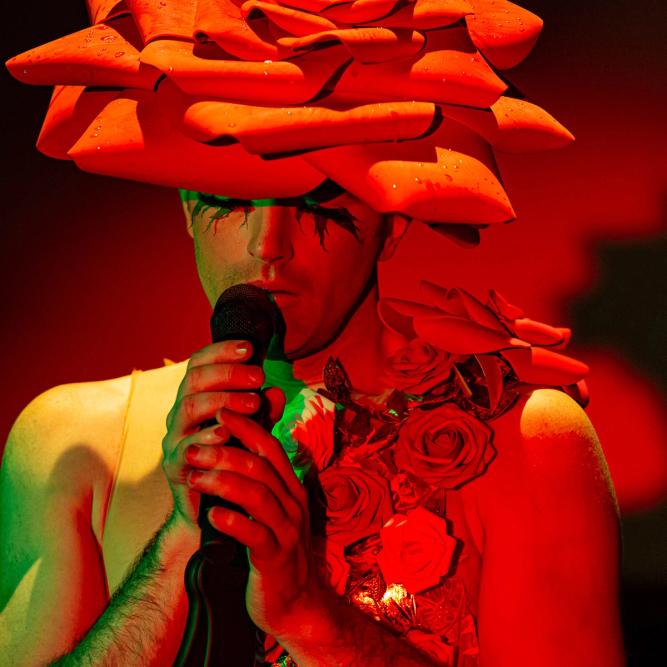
pixel 98 276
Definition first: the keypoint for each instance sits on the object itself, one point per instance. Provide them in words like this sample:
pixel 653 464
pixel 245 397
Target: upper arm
pixel 52 581
pixel 549 590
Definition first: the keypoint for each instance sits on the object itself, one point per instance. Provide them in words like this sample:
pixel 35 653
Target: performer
pixel 431 492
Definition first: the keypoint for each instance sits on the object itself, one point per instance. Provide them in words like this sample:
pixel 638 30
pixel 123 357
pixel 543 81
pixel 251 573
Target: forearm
pixel 336 633
pixel 137 627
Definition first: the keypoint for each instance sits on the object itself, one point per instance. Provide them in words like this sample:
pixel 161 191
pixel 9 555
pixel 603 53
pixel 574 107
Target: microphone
pixel 218 629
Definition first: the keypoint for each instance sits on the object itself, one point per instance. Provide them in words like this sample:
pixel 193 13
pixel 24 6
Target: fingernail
pixel 256 377
pixel 194 477
pixel 251 401
pixel 191 453
pixel 242 348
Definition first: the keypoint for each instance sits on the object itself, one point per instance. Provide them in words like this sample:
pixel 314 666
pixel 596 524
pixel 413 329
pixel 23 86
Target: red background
pixel 98 275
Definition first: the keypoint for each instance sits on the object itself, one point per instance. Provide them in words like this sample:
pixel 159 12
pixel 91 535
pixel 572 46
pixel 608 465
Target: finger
pixel 254 468
pixel 258 538
pixel 255 498
pixel 230 351
pixel 212 377
pixel 191 410
pixel 176 463
pixel 259 441
pixel 277 401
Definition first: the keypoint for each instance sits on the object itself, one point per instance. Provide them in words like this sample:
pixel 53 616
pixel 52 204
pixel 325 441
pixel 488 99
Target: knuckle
pixel 195 379
pixel 261 495
pixel 290 534
pixel 189 406
pixel 194 360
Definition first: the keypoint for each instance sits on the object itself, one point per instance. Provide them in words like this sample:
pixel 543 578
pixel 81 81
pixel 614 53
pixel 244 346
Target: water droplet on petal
pixel 417 179
pixel 394 186
pixel 108 38
pixel 268 62
pixel 99 148
pixel 231 124
pixel 118 54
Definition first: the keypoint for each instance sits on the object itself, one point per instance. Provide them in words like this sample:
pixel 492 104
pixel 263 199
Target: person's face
pixel 316 284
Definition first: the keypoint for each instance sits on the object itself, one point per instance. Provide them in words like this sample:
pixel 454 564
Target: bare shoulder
pixel 65 424
pixel 549 469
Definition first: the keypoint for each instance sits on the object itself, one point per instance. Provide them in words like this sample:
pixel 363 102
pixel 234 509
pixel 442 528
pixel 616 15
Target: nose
pixel 270 237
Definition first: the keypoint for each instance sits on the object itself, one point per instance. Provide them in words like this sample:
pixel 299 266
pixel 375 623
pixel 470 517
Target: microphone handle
pixel 218 629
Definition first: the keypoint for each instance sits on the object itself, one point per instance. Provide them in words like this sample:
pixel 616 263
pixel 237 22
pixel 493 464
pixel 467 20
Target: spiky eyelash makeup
pixel 223 206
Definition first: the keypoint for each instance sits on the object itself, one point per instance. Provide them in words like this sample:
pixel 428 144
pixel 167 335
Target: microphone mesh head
pixel 245 312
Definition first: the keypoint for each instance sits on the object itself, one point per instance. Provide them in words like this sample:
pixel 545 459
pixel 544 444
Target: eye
pixel 322 215
pixel 219 207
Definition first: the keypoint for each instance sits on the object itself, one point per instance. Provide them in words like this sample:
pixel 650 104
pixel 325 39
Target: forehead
pixel 326 196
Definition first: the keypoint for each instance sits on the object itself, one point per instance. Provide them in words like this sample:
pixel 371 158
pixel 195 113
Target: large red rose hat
pixel 396 101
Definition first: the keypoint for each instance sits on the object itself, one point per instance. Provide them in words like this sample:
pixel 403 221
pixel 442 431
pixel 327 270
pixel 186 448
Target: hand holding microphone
pixel 250 497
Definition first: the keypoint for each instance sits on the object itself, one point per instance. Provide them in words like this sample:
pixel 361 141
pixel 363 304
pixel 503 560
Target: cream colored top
pixel 139 498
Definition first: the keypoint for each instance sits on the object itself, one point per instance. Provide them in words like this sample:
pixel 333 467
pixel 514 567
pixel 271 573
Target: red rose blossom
pixel 454 320
pixel 446 447
pixel 416 550
pixel 418 367
pixel 358 502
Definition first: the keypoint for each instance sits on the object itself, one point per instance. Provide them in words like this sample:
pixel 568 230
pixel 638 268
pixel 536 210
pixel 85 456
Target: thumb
pixel 276 398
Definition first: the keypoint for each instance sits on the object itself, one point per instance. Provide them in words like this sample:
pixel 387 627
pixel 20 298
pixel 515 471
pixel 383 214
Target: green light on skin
pixel 310 202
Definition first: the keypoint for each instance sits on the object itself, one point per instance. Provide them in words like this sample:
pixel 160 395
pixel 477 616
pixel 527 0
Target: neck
pixel 360 347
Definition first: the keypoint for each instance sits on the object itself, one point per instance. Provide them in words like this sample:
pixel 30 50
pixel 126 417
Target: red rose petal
pixel 101 10
pixel 266 130
pixel 513 126
pixel 136 141
pixel 165 18
pixel 538 366
pixel 504 32
pixel 71 111
pixel 69 60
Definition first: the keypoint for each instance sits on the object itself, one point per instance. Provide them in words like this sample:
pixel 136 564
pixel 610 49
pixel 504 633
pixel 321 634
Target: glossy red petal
pixel 366 45
pixel 513 126
pixel 538 333
pixel 101 10
pixel 71 112
pixel 536 365
pixel 266 130
pixel 420 180
pixel 454 77
pixel 395 320
pixel 280 82
pixel 359 11
pixel 504 32
pixel 221 21
pixel 425 14
pixel 163 18
pixel 457 301
pixel 137 141
pixel 294 21
pixel 461 336
pixel 103 55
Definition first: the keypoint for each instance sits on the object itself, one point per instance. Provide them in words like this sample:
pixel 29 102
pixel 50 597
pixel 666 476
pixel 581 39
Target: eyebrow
pixel 234 202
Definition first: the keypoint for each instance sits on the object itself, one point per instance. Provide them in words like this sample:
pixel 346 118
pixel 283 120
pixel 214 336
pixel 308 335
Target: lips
pixel 274 288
